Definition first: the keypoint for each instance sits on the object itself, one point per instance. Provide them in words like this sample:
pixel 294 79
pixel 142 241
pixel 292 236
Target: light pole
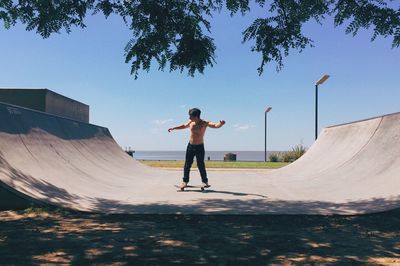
pixel 319 82
pixel 265 135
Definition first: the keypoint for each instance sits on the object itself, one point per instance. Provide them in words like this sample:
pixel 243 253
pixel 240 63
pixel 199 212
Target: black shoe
pixel 205 184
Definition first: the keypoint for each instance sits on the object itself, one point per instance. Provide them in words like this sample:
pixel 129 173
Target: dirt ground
pixel 63 237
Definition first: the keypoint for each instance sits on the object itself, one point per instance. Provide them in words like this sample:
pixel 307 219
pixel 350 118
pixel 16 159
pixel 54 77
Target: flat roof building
pixel 47 101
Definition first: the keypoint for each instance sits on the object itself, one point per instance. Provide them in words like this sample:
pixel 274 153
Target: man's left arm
pixel 216 125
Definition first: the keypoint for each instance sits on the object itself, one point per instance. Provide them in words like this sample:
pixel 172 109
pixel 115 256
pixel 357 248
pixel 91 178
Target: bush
pixel 287 157
pixel 294 154
pixel 298 151
pixel 274 157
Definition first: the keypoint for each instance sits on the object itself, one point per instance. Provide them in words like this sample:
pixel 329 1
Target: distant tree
pixel 177 32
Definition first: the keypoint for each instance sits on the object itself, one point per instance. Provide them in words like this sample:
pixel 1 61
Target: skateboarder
pixel 195 146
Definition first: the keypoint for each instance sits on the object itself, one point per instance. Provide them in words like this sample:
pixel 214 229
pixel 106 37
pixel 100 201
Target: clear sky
pixel 88 65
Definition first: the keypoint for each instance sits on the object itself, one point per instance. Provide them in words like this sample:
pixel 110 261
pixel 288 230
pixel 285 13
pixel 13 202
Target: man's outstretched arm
pixel 183 126
pixel 216 125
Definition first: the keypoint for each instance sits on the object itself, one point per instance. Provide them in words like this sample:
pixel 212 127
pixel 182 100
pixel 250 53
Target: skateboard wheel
pixel 202 189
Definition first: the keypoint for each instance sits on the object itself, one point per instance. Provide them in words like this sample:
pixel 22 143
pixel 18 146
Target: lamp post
pixel 319 82
pixel 265 133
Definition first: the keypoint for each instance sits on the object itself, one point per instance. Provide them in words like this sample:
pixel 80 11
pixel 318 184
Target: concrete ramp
pixel 351 169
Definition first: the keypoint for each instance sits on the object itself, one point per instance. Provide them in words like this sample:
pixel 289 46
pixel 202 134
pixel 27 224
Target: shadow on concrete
pixel 78 238
pixel 250 206
pixel 14 195
pixel 192 189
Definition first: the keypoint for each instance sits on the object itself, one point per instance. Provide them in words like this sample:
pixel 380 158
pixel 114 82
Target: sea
pixel 248 156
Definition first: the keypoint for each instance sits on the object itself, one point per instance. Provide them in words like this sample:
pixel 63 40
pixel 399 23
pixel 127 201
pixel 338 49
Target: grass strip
pixel 216 164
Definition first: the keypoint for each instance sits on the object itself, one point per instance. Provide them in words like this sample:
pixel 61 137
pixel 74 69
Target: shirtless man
pixel 196 144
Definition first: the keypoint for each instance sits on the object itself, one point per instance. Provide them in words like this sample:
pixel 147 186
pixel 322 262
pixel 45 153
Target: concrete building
pixel 47 101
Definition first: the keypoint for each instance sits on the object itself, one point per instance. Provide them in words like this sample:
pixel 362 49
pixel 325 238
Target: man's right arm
pixel 183 126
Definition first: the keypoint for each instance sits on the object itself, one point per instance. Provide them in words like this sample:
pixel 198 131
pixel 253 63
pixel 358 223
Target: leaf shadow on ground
pixel 79 238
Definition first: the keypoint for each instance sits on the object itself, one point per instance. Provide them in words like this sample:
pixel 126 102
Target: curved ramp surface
pixel 351 169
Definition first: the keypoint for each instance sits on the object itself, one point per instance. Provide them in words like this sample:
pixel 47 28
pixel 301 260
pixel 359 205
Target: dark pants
pixel 198 151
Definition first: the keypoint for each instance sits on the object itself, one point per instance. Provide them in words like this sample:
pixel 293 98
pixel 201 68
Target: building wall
pixel 45 100
pixel 62 106
pixel 32 99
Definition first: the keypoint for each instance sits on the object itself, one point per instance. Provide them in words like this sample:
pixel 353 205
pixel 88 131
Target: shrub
pixel 274 157
pixel 298 151
pixel 294 154
pixel 287 157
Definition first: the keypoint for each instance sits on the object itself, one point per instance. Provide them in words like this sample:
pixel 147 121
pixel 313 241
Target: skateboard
pixel 189 186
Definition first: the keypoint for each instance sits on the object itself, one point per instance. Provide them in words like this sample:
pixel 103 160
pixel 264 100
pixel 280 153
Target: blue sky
pixel 88 65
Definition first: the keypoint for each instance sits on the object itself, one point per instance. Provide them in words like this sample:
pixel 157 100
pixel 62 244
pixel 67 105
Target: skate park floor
pixel 45 162
pixel 44 236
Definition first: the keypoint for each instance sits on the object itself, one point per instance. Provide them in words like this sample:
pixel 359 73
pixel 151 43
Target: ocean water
pixel 253 156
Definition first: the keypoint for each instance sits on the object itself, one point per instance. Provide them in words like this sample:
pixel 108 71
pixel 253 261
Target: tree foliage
pixel 177 33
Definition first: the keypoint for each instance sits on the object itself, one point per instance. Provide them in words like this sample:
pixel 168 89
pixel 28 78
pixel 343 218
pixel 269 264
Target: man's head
pixel 194 113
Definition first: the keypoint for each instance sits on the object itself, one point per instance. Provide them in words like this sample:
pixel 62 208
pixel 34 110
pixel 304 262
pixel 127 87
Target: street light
pixel 265 135
pixel 319 82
